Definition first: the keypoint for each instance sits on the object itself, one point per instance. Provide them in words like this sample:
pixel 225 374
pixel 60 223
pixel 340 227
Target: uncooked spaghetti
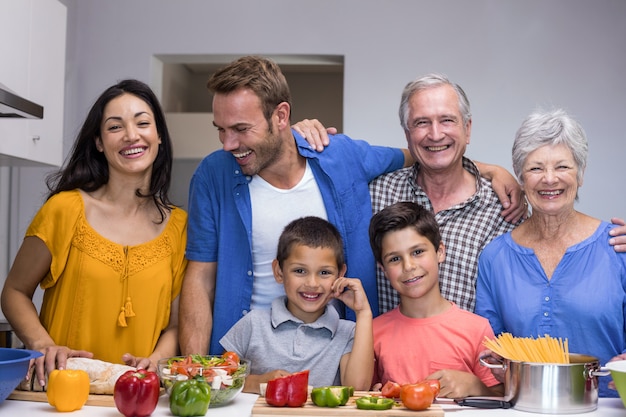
pixel 527 349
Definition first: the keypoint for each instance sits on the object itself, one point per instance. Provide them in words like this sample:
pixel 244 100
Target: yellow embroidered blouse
pixel 100 296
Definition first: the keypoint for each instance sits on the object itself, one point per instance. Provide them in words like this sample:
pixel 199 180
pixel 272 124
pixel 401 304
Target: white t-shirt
pixel 273 209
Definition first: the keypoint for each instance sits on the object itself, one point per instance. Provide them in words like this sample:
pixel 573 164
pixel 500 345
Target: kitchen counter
pixel 242 406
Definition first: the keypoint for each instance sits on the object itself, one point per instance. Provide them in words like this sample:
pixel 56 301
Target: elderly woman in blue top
pixel 556 273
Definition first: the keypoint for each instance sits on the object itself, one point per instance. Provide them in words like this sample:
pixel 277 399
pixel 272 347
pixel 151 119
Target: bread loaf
pixel 102 375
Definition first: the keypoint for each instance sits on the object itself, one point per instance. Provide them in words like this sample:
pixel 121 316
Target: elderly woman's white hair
pixel 553 127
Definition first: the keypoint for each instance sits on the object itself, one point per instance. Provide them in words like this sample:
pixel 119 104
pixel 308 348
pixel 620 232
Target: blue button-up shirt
pixel 584 301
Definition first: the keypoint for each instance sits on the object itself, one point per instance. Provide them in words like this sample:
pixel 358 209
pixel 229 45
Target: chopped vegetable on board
pixel 290 390
pixel 374 403
pixel 332 396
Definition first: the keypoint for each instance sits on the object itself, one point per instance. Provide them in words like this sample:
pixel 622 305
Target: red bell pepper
pixel 289 391
pixel 136 393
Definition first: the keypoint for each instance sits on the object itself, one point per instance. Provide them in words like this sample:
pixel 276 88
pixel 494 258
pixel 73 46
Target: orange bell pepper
pixel 68 389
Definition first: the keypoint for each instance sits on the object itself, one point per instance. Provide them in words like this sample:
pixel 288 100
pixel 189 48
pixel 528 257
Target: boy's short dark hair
pixel 313 232
pixel 399 216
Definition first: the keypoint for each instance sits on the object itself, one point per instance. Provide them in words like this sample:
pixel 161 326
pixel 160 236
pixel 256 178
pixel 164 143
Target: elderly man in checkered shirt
pixel 435 115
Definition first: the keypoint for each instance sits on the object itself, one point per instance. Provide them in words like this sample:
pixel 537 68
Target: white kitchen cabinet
pixel 32 65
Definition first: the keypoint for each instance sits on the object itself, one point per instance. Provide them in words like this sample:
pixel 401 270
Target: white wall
pixel 509 55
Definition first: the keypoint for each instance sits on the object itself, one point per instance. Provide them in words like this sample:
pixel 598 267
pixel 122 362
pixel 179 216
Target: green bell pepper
pixel 190 398
pixel 374 403
pixel 332 396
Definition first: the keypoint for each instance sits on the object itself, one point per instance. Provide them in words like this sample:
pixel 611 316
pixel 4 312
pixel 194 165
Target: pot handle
pixel 484 402
pixel 603 371
pixel 483 362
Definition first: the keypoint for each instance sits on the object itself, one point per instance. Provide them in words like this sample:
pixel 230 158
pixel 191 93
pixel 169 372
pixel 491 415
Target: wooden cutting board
pixel 94 399
pixel 262 409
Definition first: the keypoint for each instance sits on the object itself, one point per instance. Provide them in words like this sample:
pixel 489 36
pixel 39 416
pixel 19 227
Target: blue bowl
pixel 13 368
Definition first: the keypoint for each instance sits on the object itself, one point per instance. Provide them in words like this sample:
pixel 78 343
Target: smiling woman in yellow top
pixel 107 246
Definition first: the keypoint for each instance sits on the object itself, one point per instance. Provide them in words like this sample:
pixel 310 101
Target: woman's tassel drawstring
pixel 121 319
pixel 128 308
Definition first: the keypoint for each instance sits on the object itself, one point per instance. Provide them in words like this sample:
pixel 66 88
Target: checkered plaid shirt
pixel 465 229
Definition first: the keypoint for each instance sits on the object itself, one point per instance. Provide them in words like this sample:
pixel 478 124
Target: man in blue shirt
pixel 242 197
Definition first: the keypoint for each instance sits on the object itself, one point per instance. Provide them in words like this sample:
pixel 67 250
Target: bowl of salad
pixel 225 374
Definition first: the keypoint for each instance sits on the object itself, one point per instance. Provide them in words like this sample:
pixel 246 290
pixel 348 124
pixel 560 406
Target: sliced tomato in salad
pixel 193 365
pixel 230 355
pixel 185 367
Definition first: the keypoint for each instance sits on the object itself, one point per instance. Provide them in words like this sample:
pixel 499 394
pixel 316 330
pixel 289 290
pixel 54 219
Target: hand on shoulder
pixel 314 132
pixel 618 239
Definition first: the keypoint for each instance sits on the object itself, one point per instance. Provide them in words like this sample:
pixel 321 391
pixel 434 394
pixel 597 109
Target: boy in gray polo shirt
pixel 301 330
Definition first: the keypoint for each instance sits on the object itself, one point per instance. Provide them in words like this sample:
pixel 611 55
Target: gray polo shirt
pixel 275 339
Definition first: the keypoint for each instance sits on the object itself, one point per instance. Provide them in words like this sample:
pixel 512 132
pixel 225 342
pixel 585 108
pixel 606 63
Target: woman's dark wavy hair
pixel 87 168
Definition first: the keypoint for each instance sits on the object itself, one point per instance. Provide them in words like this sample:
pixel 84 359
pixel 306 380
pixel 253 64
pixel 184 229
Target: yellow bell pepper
pixel 68 389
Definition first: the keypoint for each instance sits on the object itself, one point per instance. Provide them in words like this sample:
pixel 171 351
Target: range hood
pixel 12 105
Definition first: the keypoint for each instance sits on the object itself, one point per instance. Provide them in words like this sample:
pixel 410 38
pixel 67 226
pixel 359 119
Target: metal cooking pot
pixel 545 387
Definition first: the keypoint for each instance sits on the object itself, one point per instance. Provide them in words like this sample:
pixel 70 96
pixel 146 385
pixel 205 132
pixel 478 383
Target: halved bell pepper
pixel 190 397
pixel 332 396
pixel 374 403
pixel 136 393
pixel 68 389
pixel 290 390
